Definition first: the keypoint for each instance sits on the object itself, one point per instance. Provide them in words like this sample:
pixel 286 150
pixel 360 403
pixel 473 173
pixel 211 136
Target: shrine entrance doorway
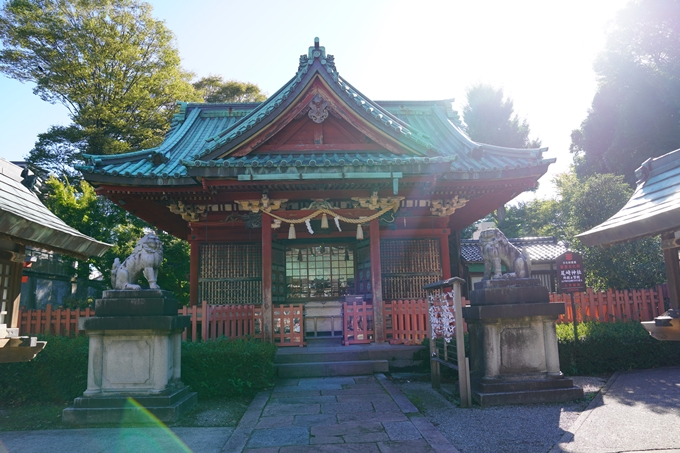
pixel 320 275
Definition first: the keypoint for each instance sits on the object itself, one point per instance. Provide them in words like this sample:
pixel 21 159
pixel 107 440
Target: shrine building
pixel 316 195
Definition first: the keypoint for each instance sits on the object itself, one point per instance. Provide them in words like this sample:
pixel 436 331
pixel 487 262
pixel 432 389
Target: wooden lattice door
pixel 230 273
pixel 408 265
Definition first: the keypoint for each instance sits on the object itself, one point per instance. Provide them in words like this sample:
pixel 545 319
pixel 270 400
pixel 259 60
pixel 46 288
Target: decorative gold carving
pixel 374 202
pixel 265 204
pixel 189 212
pixel 318 109
pixel 444 208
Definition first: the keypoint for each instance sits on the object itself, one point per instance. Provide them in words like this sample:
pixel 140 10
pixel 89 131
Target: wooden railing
pixel 62 321
pixel 289 328
pixel 357 327
pixel 613 306
pixel 405 320
pixel 207 321
pixel 214 321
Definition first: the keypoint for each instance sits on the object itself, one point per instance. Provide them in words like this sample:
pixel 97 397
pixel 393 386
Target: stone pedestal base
pixel 135 408
pixel 513 347
pixel 134 361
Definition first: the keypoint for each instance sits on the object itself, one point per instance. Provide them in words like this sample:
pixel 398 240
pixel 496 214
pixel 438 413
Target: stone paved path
pixel 340 414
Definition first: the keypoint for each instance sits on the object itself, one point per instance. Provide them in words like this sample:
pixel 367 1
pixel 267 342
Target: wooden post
pixel 267 316
pixel 445 256
pixel 463 363
pixel 193 273
pixel 376 281
pixel 670 258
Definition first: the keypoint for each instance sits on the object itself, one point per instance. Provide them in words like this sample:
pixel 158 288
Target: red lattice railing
pixel 406 321
pixel 357 327
pixel 288 326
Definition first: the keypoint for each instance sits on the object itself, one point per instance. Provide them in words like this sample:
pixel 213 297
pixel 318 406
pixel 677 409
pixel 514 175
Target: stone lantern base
pixel 513 344
pixel 134 365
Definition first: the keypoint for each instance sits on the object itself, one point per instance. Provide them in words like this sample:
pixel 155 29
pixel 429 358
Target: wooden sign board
pixel 571 277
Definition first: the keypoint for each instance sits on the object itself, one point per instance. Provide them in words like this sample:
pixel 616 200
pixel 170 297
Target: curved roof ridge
pixel 384 118
pixel 142 154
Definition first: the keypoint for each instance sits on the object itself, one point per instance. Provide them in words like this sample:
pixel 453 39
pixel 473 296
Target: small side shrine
pixel 317 196
pixel 653 209
pixel 25 221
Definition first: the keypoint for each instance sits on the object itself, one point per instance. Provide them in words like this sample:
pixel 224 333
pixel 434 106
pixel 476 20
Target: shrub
pixel 58 373
pixel 608 347
pixel 218 368
pixel 223 367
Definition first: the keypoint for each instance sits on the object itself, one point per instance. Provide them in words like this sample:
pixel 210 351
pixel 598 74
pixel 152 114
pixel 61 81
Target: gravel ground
pixel 513 429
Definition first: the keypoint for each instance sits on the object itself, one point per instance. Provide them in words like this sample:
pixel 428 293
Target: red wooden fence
pixel 405 320
pixel 62 321
pixel 612 306
pixel 357 326
pixel 288 326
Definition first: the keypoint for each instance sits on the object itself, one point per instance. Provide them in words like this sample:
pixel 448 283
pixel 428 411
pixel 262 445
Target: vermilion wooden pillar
pixel 445 258
pixel 267 314
pixel 193 273
pixel 376 280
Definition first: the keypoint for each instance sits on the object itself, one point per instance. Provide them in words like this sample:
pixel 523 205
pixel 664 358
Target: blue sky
pixel 539 52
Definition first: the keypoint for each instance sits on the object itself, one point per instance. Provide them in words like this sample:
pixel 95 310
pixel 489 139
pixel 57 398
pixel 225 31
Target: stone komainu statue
pixel 497 250
pixel 146 257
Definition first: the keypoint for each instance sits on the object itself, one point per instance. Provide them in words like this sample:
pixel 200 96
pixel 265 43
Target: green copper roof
pixel 201 134
pixel 25 220
pixel 654 208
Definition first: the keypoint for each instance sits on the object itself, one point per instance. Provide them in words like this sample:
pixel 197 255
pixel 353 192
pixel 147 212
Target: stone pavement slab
pixel 353 414
pixel 105 440
pixel 635 411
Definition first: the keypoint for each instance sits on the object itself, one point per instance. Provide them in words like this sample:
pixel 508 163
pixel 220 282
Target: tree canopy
pixel 109 62
pixel 489 118
pixel 583 204
pixel 79 206
pixel 215 89
pixel 635 113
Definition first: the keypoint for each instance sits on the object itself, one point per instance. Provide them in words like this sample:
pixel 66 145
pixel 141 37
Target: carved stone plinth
pixel 134 361
pixel 513 344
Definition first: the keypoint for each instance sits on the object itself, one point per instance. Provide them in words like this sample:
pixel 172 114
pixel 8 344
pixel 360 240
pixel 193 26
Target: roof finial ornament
pixel 316 43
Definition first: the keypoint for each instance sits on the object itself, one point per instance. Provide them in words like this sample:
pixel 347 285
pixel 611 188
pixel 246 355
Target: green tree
pixel 79 206
pixel 635 113
pixel 489 118
pixel 111 64
pixel 533 218
pixel 215 89
pixel 585 204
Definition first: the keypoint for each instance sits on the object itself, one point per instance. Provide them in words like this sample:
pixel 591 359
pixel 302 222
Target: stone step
pixel 346 353
pixel 519 386
pixel 335 368
pixel 528 396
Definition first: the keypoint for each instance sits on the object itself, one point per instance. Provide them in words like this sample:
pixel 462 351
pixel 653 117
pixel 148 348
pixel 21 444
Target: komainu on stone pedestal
pixel 497 250
pixel 146 258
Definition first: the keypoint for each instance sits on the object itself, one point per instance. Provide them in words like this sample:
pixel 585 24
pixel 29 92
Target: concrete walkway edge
pixel 595 403
pixel 238 439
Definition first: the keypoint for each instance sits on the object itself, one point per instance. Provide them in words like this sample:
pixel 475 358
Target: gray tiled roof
pixel 653 209
pixel 545 248
pixel 26 220
pixel 202 134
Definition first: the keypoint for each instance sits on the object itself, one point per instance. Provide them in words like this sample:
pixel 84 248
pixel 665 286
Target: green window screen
pixel 319 271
